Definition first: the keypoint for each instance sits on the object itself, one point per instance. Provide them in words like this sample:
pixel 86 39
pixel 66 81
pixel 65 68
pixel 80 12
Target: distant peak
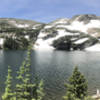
pixel 85 17
pixel 60 21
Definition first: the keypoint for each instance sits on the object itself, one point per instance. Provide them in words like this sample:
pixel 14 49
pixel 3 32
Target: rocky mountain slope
pixel 17 33
pixel 81 32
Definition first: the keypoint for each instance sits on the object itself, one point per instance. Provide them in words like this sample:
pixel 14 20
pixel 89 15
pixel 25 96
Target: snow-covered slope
pixel 47 44
pixel 81 32
pixel 77 29
pixel 95 47
pixel 80 26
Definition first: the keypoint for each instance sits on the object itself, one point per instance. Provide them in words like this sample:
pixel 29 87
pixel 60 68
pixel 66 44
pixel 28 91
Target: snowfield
pixel 1 41
pixel 46 44
pixel 27 37
pixel 42 34
pixel 62 21
pixel 62 27
pixel 35 26
pixel 81 41
pixel 22 25
pixel 95 47
pixel 48 26
pixel 80 26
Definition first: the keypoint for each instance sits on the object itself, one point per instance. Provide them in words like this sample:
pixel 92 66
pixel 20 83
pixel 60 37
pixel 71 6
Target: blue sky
pixel 47 10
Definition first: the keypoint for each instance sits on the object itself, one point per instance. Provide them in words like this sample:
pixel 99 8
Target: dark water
pixel 54 68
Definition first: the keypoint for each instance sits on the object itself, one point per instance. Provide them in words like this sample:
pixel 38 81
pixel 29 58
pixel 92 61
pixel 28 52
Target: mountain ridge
pixel 62 28
pixel 77 33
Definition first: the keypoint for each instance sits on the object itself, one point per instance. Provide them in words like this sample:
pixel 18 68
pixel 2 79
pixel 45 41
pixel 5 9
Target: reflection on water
pixel 54 67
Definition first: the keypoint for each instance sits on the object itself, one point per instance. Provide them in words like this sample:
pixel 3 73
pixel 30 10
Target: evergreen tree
pixel 77 85
pixel 70 96
pixel 8 94
pixel 26 89
pixel 89 98
pixel 38 90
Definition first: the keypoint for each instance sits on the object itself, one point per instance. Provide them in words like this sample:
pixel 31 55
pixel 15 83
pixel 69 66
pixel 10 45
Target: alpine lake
pixel 54 67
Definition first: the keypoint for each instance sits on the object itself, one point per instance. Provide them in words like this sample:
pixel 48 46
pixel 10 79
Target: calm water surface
pixel 54 68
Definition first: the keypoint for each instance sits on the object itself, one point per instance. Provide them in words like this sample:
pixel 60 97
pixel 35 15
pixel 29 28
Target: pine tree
pixel 70 96
pixel 88 98
pixel 77 85
pixel 38 89
pixel 26 89
pixel 8 94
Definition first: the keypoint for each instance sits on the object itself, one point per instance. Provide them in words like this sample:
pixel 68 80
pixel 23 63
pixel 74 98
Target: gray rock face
pixel 78 42
pixel 85 18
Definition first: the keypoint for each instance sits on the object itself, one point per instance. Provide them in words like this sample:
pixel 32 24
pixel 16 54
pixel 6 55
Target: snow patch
pixel 81 41
pixel 57 22
pixel 62 21
pixel 42 34
pixel 80 26
pixel 46 44
pixel 36 26
pixel 22 25
pixel 94 34
pixel 27 36
pixel 95 47
pixel 1 41
pixel 48 26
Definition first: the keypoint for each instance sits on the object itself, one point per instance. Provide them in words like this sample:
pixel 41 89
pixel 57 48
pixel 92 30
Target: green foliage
pixel 77 85
pixel 15 38
pixel 70 96
pixel 38 90
pixel 26 89
pixel 10 43
pixel 8 94
pixel 88 98
pixel 63 43
pixel 15 43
